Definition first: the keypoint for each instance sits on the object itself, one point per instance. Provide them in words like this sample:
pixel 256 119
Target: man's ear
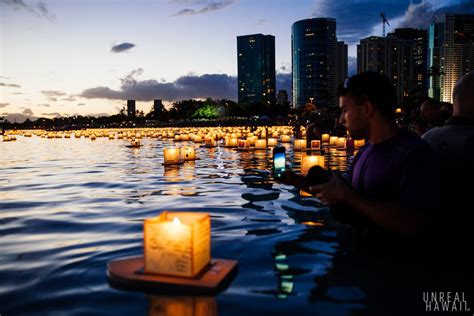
pixel 369 108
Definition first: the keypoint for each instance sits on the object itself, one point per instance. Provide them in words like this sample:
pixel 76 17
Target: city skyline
pixel 90 57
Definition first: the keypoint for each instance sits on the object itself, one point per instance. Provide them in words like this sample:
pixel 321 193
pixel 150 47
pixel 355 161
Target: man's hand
pixel 332 192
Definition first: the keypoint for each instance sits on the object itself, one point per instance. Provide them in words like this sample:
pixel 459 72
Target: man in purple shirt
pixel 394 179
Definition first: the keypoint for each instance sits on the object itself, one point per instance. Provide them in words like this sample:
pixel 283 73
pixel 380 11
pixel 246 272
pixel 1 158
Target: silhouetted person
pixel 430 117
pixel 393 182
pixel 455 144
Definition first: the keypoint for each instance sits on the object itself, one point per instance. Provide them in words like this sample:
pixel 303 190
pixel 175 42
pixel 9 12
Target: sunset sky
pixel 66 57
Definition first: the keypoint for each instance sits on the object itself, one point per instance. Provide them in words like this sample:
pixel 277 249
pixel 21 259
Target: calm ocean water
pixel 69 206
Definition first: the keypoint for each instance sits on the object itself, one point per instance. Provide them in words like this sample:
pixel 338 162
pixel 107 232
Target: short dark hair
pixel 373 86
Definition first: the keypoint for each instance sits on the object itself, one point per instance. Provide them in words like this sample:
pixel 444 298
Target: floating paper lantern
pixel 260 144
pixel 359 143
pixel 341 142
pixel 187 153
pixel 315 144
pixel 333 141
pixel 300 144
pixel 272 142
pixel 309 161
pixel 325 138
pixel 285 138
pixel 231 142
pixel 177 243
pixel 197 139
pixel 171 156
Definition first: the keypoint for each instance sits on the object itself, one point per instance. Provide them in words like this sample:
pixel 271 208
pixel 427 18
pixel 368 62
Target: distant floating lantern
pixel 187 153
pixel 243 143
pixel 359 143
pixel 272 142
pixel 93 137
pixel 315 144
pixel 231 142
pixel 300 144
pixel 197 139
pixel 325 138
pixel 341 142
pixel 171 156
pixel 285 138
pixel 309 161
pixel 177 244
pixel 333 141
pixel 252 140
pixel 135 143
pixel 260 144
pixel 398 110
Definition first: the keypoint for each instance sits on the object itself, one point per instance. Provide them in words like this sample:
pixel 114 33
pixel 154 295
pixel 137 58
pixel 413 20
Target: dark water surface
pixel 69 206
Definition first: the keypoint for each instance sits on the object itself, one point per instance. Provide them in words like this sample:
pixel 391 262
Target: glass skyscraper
pixel 451 52
pixel 256 69
pixel 313 45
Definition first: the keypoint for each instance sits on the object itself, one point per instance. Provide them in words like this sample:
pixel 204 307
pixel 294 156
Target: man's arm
pixel 392 216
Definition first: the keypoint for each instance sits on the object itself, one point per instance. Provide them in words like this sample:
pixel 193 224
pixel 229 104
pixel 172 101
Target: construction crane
pixel 384 21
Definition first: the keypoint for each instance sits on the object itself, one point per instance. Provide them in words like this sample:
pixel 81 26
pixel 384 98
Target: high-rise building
pixel 401 56
pixel 131 108
pixel 256 69
pixel 451 53
pixel 313 47
pixel 341 63
pixel 282 97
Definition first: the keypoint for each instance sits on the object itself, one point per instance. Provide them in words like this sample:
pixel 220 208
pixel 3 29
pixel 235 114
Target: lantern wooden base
pixel 173 163
pixel 127 274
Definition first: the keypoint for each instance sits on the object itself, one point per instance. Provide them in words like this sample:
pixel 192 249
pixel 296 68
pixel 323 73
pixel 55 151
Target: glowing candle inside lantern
pixel 177 243
pixel 333 141
pixel 300 144
pixel 315 144
pixel 309 161
pixel 187 153
pixel 171 156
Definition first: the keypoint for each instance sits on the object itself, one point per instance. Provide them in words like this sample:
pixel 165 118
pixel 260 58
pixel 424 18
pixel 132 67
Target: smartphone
pixel 279 161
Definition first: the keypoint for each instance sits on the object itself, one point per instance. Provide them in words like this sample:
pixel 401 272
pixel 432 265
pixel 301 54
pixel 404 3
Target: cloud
pixel 10 85
pixel 421 15
pixel 2 105
pixel 45 105
pixel 191 86
pixel 17 93
pixel 352 27
pixel 351 65
pixel 55 114
pixel 70 99
pixel 27 112
pixel 208 6
pixel 52 94
pixel 81 104
pixel 38 8
pixel 120 48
